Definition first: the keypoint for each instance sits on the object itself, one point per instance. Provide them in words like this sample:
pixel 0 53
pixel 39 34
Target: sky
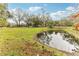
pixel 56 10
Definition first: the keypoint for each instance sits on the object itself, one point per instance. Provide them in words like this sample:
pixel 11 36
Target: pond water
pixel 60 40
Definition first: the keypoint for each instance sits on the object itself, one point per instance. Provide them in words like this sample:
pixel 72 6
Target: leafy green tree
pixel 50 24
pixel 36 21
pixel 3 14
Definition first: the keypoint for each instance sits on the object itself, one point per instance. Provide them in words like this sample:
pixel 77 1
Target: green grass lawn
pixel 72 31
pixel 22 41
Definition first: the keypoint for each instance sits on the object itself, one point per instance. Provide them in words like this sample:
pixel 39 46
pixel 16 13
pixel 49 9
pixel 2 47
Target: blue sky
pixel 56 10
pixel 49 6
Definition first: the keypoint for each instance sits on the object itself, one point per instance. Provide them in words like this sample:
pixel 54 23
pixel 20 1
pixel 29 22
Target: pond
pixel 59 39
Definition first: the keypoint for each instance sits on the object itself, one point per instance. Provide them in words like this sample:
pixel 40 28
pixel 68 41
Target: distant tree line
pixel 26 19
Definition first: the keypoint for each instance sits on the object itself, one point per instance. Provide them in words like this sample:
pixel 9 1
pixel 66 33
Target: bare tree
pixel 27 19
pixel 17 16
pixel 45 16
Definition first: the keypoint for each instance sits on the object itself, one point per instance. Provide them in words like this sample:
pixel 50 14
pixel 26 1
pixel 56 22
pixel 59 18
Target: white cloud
pixel 70 8
pixel 32 9
pixel 59 15
pixel 11 10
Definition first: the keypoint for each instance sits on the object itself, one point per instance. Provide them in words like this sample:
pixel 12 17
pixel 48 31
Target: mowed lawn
pixel 72 31
pixel 22 41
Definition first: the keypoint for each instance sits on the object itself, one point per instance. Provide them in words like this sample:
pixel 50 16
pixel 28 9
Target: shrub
pixel 3 22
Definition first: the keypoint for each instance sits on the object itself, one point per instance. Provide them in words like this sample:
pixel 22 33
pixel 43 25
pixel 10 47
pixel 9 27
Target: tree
pixel 17 16
pixel 50 23
pixel 3 17
pixel 27 19
pixel 65 22
pixel 45 16
pixel 36 22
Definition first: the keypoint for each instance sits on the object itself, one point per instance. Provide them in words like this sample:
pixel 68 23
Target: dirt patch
pixel 23 48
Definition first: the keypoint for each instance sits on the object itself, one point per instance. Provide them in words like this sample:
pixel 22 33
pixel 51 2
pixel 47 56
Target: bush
pixel 50 26
pixel 3 22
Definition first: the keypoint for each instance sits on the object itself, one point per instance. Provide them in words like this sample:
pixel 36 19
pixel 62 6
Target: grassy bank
pixel 21 41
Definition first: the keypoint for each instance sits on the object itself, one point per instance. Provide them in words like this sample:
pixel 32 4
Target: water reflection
pixel 61 41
